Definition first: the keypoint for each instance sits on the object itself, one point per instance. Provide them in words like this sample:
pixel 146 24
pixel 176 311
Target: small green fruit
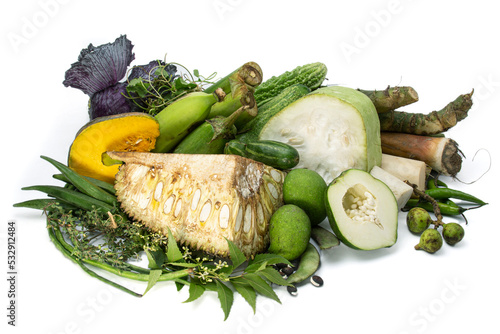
pixel 430 241
pixel 306 189
pixel 418 220
pixel 289 232
pixel 453 233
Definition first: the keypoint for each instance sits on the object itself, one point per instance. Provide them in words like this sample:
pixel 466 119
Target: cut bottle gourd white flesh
pixel 334 129
pixel 362 211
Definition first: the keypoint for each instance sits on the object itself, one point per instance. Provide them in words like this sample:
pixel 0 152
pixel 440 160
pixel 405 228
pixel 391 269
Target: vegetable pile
pixel 191 174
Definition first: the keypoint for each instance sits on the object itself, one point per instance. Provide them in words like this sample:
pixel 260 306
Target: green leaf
pixel 153 278
pixel 236 255
pixel 260 285
pixel 179 285
pixel 261 261
pixel 273 276
pixel 173 252
pixel 195 291
pixel 246 291
pixel 138 86
pixel 226 297
pixel 196 73
pixel 155 258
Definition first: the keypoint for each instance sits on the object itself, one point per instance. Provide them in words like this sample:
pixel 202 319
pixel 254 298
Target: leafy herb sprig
pixel 162 86
pixel 105 237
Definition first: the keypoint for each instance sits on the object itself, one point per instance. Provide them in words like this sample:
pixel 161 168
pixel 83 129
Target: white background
pixel 441 48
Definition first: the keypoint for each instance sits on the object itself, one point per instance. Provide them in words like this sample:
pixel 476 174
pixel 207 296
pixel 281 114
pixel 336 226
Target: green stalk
pixel 240 96
pixel 249 73
pixel 210 137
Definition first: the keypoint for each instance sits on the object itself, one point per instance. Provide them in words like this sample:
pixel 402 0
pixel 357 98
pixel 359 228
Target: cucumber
pixel 272 153
pixel 310 75
pixel 250 132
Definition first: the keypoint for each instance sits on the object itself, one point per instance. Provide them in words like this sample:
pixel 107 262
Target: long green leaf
pixel 246 291
pixel 73 197
pixel 101 184
pixel 226 297
pixel 82 184
pixel 261 286
pixel 43 203
pixel 236 255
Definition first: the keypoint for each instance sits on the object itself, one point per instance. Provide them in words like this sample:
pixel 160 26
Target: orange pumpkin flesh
pixel 132 132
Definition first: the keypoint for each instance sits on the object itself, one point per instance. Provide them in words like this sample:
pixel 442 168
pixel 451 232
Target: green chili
pixel 445 193
pixel 433 183
pixel 446 209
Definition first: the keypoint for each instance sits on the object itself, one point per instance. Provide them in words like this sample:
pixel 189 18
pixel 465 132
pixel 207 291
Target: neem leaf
pixel 236 255
pixel 173 252
pixel 273 276
pixel 195 291
pixel 153 278
pixel 155 258
pixel 246 291
pixel 261 261
pixel 260 285
pixel 226 297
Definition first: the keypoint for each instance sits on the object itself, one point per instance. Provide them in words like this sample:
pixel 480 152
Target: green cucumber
pixel 286 97
pixel 310 75
pixel 272 153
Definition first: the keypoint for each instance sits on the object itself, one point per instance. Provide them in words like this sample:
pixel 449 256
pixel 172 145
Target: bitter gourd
pixel 310 75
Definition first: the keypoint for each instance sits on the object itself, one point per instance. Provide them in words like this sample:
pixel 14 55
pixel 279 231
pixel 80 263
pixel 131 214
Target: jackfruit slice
pixel 202 198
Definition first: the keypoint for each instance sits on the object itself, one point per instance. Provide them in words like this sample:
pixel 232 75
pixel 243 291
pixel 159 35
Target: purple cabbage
pixel 97 73
pixel 110 101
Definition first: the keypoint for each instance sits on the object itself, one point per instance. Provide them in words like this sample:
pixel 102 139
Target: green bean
pixel 101 184
pixel 309 263
pixel 324 238
pixel 58 240
pixel 82 184
pixel 445 193
pixel 76 198
pixel 446 209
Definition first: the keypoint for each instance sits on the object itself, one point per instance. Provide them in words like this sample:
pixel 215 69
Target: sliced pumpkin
pixel 132 132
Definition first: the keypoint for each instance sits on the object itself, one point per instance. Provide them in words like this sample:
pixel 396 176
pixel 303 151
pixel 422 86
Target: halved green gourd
pixel 362 210
pixel 333 128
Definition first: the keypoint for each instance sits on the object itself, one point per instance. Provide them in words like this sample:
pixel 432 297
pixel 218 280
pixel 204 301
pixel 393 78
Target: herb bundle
pixel 111 241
